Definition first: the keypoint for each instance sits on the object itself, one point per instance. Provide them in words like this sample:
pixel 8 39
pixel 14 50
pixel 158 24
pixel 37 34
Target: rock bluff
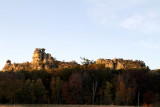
pixel 43 60
pixel 40 60
pixel 121 63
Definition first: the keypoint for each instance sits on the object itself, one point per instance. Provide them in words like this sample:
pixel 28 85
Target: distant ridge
pixel 43 60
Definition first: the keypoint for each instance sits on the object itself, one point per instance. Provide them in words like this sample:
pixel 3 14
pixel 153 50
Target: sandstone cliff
pixel 43 60
pixel 40 60
pixel 121 64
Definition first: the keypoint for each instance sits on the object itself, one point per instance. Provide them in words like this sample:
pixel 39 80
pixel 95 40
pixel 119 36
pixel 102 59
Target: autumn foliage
pixel 88 83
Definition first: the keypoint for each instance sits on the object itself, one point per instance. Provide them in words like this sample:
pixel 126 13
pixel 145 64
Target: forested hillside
pixel 86 83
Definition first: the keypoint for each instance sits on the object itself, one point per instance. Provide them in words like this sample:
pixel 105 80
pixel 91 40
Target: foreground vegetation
pixel 55 105
pixel 82 84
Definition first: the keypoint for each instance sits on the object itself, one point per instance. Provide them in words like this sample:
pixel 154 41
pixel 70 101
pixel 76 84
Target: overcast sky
pixel 70 29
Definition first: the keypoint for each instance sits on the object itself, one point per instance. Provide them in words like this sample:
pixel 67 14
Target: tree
pixel 108 93
pixel 86 61
pixel 56 84
pixel 28 93
pixel 40 92
pixel 94 89
pixel 76 88
pixel 126 89
pixel 121 96
pixel 149 97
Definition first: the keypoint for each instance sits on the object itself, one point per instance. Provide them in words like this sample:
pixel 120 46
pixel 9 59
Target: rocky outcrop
pixel 16 66
pixel 7 66
pixel 121 64
pixel 40 60
pixel 43 60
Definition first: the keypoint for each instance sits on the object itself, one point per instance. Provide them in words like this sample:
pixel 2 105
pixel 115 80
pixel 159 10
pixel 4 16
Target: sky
pixel 70 29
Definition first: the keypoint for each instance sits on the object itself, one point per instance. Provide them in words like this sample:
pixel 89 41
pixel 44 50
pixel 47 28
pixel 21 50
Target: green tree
pixel 86 61
pixel 108 93
pixel 28 93
pixel 40 92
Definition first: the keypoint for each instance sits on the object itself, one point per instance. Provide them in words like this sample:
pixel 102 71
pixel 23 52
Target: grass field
pixel 51 105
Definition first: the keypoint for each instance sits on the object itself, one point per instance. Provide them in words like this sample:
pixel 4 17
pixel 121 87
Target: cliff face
pixel 42 60
pixel 121 64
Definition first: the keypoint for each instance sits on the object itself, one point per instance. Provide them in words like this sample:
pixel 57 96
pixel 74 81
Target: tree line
pixel 89 83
